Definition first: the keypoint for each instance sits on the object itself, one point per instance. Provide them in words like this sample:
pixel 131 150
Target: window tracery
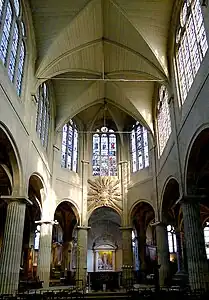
pixel 139 147
pixel 70 146
pixel 43 114
pixel 163 119
pixel 12 41
pixel 104 161
pixel 191 43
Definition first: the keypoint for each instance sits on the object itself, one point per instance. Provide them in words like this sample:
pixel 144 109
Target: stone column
pixel 44 255
pixel 195 244
pixel 162 252
pixel 179 251
pixel 81 268
pixel 12 245
pixel 127 255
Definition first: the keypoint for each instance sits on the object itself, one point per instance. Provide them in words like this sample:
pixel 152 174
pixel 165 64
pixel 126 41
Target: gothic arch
pixel 169 210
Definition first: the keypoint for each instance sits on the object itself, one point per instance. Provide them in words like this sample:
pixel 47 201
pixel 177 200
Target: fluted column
pixel 162 252
pixel 12 245
pixel 81 269
pixel 44 255
pixel 195 244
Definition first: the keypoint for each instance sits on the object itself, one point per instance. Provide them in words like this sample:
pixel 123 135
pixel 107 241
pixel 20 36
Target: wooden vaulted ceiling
pixel 102 39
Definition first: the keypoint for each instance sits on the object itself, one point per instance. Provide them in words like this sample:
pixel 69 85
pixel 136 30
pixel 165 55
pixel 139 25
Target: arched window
pixel 104 160
pixel 171 239
pixel 163 119
pixel 139 147
pixel 206 236
pixel 69 146
pixel 43 114
pixel 12 45
pixel 191 42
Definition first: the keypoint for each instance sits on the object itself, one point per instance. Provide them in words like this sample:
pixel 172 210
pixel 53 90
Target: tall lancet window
pixel 43 114
pixel 139 147
pixel 163 119
pixel 104 160
pixel 12 41
pixel 191 43
pixel 70 146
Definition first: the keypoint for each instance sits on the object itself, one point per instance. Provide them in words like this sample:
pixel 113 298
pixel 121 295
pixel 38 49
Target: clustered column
pixel 44 257
pixel 12 246
pixel 162 252
pixel 195 245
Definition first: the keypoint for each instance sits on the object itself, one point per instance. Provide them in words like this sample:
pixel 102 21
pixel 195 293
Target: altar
pixel 110 279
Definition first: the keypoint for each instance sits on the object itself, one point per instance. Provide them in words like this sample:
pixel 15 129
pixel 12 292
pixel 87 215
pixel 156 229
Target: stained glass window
pixel 70 146
pixel 104 161
pixel 1 7
pixel 163 119
pixel 43 114
pixel 206 236
pixel 139 147
pixel 191 43
pixel 12 47
pixel 171 239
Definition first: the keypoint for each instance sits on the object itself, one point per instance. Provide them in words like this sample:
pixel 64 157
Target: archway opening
pixel 7 178
pixel 104 256
pixel 63 260
pixel 144 239
pixel 31 232
pixel 172 218
pixel 197 178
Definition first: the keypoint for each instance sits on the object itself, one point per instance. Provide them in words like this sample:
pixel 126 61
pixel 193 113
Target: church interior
pixel 104 144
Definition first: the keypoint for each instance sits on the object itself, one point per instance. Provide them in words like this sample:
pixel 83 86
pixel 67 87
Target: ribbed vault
pixel 103 42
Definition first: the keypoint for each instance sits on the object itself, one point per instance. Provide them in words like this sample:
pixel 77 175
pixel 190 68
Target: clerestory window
pixel 12 41
pixel 191 45
pixel 104 161
pixel 70 146
pixel 139 147
pixel 43 114
pixel 163 119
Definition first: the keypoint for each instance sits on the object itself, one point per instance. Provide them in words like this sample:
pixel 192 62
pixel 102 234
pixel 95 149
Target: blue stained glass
pixel 6 34
pixel 13 54
pixel 104 153
pixel 192 46
pixel 20 68
pixel 17 7
pixel 139 147
pixel 1 7
pixel 69 146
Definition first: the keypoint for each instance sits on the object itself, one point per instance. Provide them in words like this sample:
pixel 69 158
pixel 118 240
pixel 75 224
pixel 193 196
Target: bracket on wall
pixel 205 3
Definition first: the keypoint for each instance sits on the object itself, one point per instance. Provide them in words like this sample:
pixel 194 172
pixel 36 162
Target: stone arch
pixel 202 130
pixel 169 211
pixel 10 160
pixel 117 210
pixel 74 207
pixel 134 206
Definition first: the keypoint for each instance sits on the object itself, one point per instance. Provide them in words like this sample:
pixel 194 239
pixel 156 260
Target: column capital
pixel 83 227
pixel 85 161
pixel 158 223
pixel 51 222
pixel 126 228
pixel 190 198
pixel 122 162
pixel 16 199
